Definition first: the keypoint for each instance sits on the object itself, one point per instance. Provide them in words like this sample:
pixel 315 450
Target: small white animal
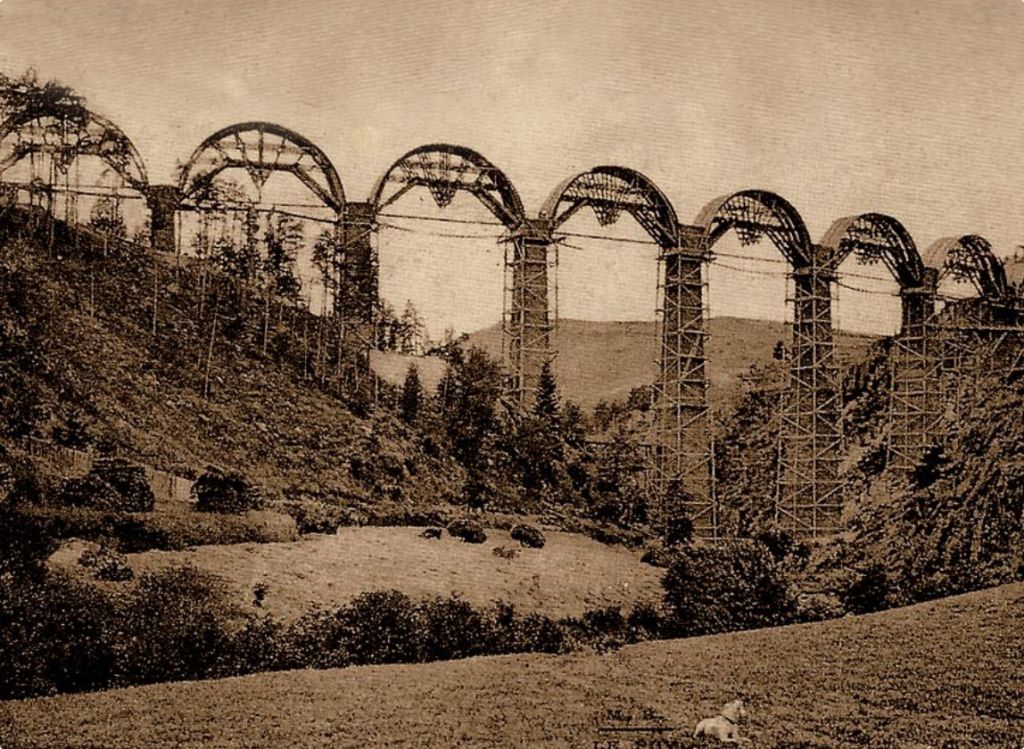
pixel 724 726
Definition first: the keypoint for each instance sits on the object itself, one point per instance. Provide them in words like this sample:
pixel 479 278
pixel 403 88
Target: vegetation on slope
pixel 937 674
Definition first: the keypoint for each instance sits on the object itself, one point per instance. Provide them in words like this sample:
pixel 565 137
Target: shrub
pixel 25 545
pixel 24 480
pixel 167 531
pixel 112 484
pixel 782 546
pixel 816 607
pixel 869 592
pixel 657 556
pixel 730 586
pixel 315 640
pixel 173 626
pixel 604 629
pixel 257 646
pixel 313 516
pixel 645 621
pixel 452 628
pixel 680 531
pixel 505 552
pixel 107 564
pixel 129 481
pixel 225 492
pixel 510 633
pixel 382 627
pixel 528 535
pixel 89 491
pixel 54 636
pixel 469 531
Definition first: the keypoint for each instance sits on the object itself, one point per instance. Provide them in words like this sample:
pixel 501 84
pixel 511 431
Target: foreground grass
pixel 942 674
pixel 570 575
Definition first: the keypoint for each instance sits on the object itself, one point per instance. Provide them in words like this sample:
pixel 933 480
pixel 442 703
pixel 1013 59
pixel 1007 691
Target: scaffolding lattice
pixel 809 500
pixel 356 303
pixel 526 320
pixel 978 341
pixel 914 396
pixel 683 460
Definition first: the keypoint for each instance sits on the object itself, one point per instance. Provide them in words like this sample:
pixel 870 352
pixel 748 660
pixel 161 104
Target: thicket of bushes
pixel 135 532
pixel 218 490
pixel 61 635
pixel 726 587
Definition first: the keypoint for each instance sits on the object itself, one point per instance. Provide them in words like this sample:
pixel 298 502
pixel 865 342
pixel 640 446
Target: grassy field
pixel 570 575
pixel 944 674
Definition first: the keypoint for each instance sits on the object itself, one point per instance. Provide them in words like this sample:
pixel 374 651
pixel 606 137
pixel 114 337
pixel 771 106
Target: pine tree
pixel 546 406
pixel 283 240
pixel 412 396
pixel 410 330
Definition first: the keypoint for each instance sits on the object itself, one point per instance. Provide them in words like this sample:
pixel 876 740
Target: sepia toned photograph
pixel 577 374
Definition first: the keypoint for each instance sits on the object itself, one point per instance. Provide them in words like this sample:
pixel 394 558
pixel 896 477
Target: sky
pixel 906 107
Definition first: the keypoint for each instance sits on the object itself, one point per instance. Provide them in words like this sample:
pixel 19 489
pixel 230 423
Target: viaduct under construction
pixel 50 140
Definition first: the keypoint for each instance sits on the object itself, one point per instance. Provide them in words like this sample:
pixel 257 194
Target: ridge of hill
pixel 604 360
pixel 942 673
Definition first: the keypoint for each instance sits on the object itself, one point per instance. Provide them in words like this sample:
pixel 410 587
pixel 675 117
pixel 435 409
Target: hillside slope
pixel 945 673
pixel 183 390
pixel 569 576
pixel 605 360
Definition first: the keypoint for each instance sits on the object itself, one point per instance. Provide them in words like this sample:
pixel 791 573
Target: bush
pixel 25 481
pixel 89 491
pixel 869 592
pixel 469 531
pixel 130 533
pixel 508 632
pixel 173 626
pixel 645 622
pixel 528 535
pixel 129 481
pixel 730 586
pixel 783 546
pixel 54 637
pixel 382 627
pixel 58 635
pixel 657 556
pixel 257 646
pixel 107 564
pixel 505 552
pixel 816 607
pixel 452 628
pixel 225 492
pixel 603 629
pixel 313 516
pixel 680 531
pixel 25 545
pixel 112 484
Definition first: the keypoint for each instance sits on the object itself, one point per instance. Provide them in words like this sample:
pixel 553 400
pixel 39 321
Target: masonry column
pixel 809 499
pixel 356 303
pixel 914 404
pixel 683 429
pixel 526 331
pixel 163 202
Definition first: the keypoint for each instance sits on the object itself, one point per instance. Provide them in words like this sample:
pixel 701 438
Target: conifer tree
pixel 546 407
pixel 412 396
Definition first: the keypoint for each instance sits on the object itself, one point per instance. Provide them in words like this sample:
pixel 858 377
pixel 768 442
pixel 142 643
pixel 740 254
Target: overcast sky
pixel 909 107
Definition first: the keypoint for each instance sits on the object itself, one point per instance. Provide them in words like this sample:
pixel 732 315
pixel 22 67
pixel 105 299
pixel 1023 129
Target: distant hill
pixel 605 360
